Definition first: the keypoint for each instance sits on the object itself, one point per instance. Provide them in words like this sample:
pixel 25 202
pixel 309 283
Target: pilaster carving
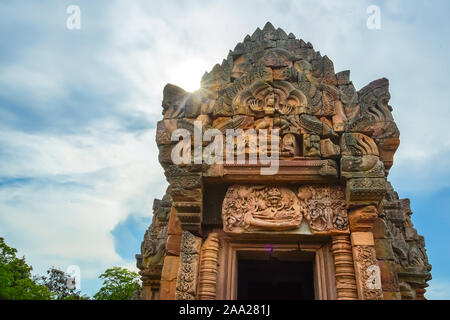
pixel 188 271
pixel 208 268
pixel 367 273
pixel 344 268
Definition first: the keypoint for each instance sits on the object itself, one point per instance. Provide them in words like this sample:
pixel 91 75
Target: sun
pixel 188 73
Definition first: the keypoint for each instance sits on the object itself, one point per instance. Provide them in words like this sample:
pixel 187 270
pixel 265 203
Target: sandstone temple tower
pixel 326 225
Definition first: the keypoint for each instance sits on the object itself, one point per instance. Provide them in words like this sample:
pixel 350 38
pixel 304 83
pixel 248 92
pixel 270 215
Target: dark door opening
pixel 275 280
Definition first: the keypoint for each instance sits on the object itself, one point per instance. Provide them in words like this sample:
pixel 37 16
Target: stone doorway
pixel 276 267
pixel 275 279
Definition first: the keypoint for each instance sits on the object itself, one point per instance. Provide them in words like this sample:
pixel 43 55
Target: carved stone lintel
pixel 208 268
pixel 275 208
pixel 344 268
pixel 188 271
pixel 249 208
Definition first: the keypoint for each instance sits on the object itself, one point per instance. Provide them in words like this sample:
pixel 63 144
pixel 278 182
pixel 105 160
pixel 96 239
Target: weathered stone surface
pixel 169 277
pixel 328 149
pixel 389 279
pixel 362 219
pixel 362 238
pixel 173 245
pixel 365 191
pixel 379 229
pixel 368 166
pixel 173 101
pixel 383 248
pixel 330 138
pixel 174 226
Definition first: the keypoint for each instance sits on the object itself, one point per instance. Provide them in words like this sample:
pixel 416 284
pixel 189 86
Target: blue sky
pixel 78 108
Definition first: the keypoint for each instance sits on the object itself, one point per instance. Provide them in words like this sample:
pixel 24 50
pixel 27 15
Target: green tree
pixel 118 284
pixel 16 281
pixel 61 285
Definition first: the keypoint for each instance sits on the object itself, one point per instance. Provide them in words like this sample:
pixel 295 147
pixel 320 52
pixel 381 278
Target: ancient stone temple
pixel 324 224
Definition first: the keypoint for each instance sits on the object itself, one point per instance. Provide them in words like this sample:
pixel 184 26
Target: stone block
pixel 164 129
pixel 362 219
pixel 362 238
pixel 365 191
pixel 170 269
pixel 328 149
pixel 379 229
pixel 383 249
pixel 169 278
pixel 173 244
pixel 174 226
pixel 180 194
pixel 389 278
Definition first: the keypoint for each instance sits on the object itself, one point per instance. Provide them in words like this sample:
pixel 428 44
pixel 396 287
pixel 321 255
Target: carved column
pixel 186 190
pixel 208 268
pixel 188 270
pixel 344 268
pixel 367 271
pixel 151 281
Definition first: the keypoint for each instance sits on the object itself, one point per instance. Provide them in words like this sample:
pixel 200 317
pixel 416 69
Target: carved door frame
pixel 323 266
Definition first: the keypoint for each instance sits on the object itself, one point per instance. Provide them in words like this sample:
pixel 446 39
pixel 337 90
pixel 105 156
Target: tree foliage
pixel 118 284
pixel 61 285
pixel 16 281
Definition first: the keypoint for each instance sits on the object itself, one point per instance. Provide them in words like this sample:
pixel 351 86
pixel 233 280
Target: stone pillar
pixel 186 190
pixel 386 261
pixel 151 281
pixel 344 268
pixel 208 268
pixel 367 271
pixel 146 292
pixel 169 277
pixel 188 271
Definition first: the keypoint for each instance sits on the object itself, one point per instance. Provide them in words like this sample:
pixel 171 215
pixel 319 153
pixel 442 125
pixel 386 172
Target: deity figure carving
pixel 324 208
pixel 247 208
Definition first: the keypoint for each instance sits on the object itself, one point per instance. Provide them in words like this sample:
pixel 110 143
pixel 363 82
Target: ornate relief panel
pixel 188 270
pixel 249 208
pixel 367 273
pixel 324 208
pixel 277 208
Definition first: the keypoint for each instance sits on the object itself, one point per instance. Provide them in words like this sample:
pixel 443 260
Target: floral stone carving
pixel 248 208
